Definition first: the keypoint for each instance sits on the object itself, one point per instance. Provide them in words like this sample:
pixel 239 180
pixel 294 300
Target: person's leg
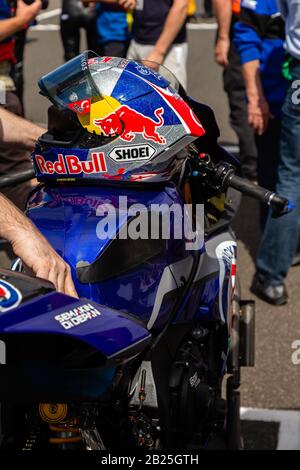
pixel 176 62
pixel 70 29
pixel 114 49
pixel 138 51
pixel 280 238
pixel 235 89
pixel 268 147
pixel 208 9
pixel 89 23
pixel 13 161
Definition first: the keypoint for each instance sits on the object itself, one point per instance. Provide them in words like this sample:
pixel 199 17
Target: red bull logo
pixel 71 165
pixel 127 123
pixel 10 297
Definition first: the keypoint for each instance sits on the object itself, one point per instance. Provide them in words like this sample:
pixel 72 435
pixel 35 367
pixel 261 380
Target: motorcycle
pixel 140 360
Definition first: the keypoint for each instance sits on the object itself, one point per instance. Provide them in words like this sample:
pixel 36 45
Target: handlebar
pixel 280 206
pixel 222 176
pixel 21 177
pixel 219 177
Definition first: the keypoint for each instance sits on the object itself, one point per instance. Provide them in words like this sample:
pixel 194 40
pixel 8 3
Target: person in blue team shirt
pixel 280 239
pixel 113 26
pixel 259 38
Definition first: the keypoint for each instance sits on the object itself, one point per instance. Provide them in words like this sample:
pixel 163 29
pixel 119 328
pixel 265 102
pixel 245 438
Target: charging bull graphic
pixel 10 297
pixel 127 122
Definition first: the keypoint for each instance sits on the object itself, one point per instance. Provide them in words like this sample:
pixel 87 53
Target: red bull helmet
pixel 113 119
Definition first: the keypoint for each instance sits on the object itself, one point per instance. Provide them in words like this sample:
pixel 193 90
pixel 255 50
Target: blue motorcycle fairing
pixel 69 218
pixel 113 334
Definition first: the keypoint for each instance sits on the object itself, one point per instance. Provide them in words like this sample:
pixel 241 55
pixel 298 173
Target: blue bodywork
pixel 133 305
pixel 69 217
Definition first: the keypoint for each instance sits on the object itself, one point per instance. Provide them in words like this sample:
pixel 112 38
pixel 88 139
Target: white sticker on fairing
pixel 226 254
pixel 77 316
pixel 130 154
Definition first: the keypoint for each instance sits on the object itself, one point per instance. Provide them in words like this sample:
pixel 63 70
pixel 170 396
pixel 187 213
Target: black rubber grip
pixel 280 206
pixel 13 179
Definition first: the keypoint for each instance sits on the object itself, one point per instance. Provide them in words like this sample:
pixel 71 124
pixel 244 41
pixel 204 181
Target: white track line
pixel 45 27
pixel 48 14
pixel 289 431
pixel 191 26
pixel 202 26
pixel 52 27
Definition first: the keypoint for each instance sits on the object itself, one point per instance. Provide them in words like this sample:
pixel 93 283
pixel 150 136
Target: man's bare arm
pixel 173 24
pixel 126 4
pixel 24 15
pixel 223 15
pixel 34 250
pixel 15 130
pixel 258 108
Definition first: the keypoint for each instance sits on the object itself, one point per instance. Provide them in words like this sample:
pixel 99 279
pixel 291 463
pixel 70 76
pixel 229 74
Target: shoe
pixel 274 295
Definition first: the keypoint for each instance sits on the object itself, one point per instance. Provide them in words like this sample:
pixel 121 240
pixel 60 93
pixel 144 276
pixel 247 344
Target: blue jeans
pixel 280 238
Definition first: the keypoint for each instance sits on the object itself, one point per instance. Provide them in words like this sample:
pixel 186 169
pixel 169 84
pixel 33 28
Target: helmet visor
pixel 71 84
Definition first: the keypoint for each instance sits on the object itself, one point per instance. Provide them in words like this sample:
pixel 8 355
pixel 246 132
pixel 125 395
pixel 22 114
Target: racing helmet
pixel 113 119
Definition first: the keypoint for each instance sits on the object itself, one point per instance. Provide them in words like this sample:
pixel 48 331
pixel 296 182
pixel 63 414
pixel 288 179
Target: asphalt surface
pixel 275 381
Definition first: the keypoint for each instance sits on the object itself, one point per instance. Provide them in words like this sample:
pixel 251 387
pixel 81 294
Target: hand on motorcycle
pixel 34 250
pixel 27 13
pixel 42 259
pixel 259 114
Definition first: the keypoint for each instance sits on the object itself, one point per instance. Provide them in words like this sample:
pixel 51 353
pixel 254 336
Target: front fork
pixel 242 354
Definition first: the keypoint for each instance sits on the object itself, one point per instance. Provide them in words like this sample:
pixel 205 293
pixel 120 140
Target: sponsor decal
pixel 71 165
pixel 144 176
pixel 182 110
pixel 10 297
pixel 226 254
pixel 106 60
pixel 77 316
pixel 130 154
pixel 81 107
pixel 73 96
pixel 127 123
pixel 93 60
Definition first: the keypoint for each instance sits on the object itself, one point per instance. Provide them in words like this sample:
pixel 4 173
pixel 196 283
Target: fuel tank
pixel 91 228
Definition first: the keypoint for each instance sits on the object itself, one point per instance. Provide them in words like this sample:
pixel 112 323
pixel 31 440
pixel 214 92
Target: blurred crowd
pixel 258 46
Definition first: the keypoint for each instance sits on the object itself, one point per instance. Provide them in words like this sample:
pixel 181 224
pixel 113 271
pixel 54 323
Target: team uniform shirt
pixel 113 24
pixel 259 35
pixel 7 45
pixel 7 48
pixel 290 10
pixel 236 7
pixel 149 20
